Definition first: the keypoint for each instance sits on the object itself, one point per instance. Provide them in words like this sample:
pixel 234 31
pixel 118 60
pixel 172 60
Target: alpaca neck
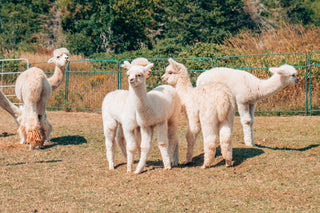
pixel 12 109
pixel 140 97
pixel 270 86
pixel 184 87
pixel 56 79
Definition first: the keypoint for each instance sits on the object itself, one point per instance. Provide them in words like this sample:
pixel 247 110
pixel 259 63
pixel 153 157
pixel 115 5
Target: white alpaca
pixel 158 108
pixel 208 107
pixel 117 111
pixel 34 89
pixel 248 89
pixel 12 109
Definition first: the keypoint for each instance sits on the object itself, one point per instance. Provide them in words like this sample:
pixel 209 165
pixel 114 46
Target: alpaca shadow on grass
pixel 239 155
pixel 289 149
pixel 35 162
pixel 66 140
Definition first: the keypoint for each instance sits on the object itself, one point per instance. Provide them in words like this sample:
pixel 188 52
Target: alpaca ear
pixel 278 70
pixel 148 73
pixel 51 60
pixel 174 64
pixel 126 65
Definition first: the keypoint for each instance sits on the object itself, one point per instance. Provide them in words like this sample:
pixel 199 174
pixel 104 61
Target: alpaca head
pixel 287 73
pixel 60 57
pixel 137 74
pixel 174 71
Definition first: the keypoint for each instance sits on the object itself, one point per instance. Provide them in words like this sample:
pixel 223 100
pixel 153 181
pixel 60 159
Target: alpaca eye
pixel 139 75
pixel 58 56
pixel 170 73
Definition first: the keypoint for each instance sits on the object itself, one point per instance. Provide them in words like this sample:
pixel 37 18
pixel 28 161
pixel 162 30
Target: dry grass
pixel 70 174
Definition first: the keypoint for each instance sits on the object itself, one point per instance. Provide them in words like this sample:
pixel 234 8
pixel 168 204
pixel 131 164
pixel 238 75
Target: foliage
pixel 118 26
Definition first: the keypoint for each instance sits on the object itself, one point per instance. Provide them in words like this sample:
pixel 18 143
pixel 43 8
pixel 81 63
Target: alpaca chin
pixel 36 137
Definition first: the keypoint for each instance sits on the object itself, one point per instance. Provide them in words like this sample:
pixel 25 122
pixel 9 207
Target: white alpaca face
pixel 136 76
pixel 61 59
pixel 287 72
pixel 170 76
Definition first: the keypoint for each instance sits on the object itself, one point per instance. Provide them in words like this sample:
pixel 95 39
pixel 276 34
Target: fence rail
pixel 88 81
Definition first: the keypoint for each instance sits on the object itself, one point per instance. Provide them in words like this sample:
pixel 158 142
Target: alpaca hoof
pixel 137 172
pixel 111 169
pixel 167 169
pixel 228 163
pixel 204 166
pixel 187 162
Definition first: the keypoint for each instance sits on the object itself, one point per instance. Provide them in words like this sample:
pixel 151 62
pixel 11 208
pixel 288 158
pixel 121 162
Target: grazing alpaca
pixel 158 108
pixel 208 107
pixel 117 112
pixel 12 109
pixel 248 89
pixel 34 89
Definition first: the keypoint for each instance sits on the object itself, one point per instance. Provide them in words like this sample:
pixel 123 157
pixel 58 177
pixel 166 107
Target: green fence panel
pixel 290 100
pixel 314 83
pixel 10 70
pixel 194 65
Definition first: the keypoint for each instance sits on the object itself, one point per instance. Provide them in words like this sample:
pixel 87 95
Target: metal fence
pixel 88 81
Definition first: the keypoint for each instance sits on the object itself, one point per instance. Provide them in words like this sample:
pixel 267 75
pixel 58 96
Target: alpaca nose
pixel 67 58
pixel 163 78
pixel 131 80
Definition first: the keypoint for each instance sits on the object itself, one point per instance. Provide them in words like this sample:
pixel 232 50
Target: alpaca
pixel 117 113
pixel 12 109
pixel 248 89
pixel 60 59
pixel 158 108
pixel 34 89
pixel 208 107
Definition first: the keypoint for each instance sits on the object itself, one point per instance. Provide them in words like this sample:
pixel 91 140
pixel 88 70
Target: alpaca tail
pixel 36 135
pixel 227 103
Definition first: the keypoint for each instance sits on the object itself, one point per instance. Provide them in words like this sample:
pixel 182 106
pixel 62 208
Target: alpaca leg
pixel 131 146
pixel 163 144
pixel 210 138
pixel 109 133
pixel 192 133
pixel 146 138
pixel 121 141
pixel 246 121
pixel 47 128
pixel 173 144
pixel 137 134
pixel 22 133
pixel 226 141
pixel 251 109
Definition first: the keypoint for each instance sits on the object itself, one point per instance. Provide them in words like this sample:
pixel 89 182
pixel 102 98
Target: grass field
pixel 70 174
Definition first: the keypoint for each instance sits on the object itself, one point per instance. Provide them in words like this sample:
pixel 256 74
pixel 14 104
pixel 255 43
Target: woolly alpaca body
pixel 158 108
pixel 12 109
pixel 208 107
pixel 248 89
pixel 118 114
pixel 34 89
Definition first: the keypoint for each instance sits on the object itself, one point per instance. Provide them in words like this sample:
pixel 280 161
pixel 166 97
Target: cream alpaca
pixel 158 108
pixel 34 89
pixel 248 89
pixel 118 113
pixel 209 107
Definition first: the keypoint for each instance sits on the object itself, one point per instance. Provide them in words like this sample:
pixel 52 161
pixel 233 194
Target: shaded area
pixel 239 156
pixel 23 163
pixel 5 134
pixel 290 149
pixel 66 140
